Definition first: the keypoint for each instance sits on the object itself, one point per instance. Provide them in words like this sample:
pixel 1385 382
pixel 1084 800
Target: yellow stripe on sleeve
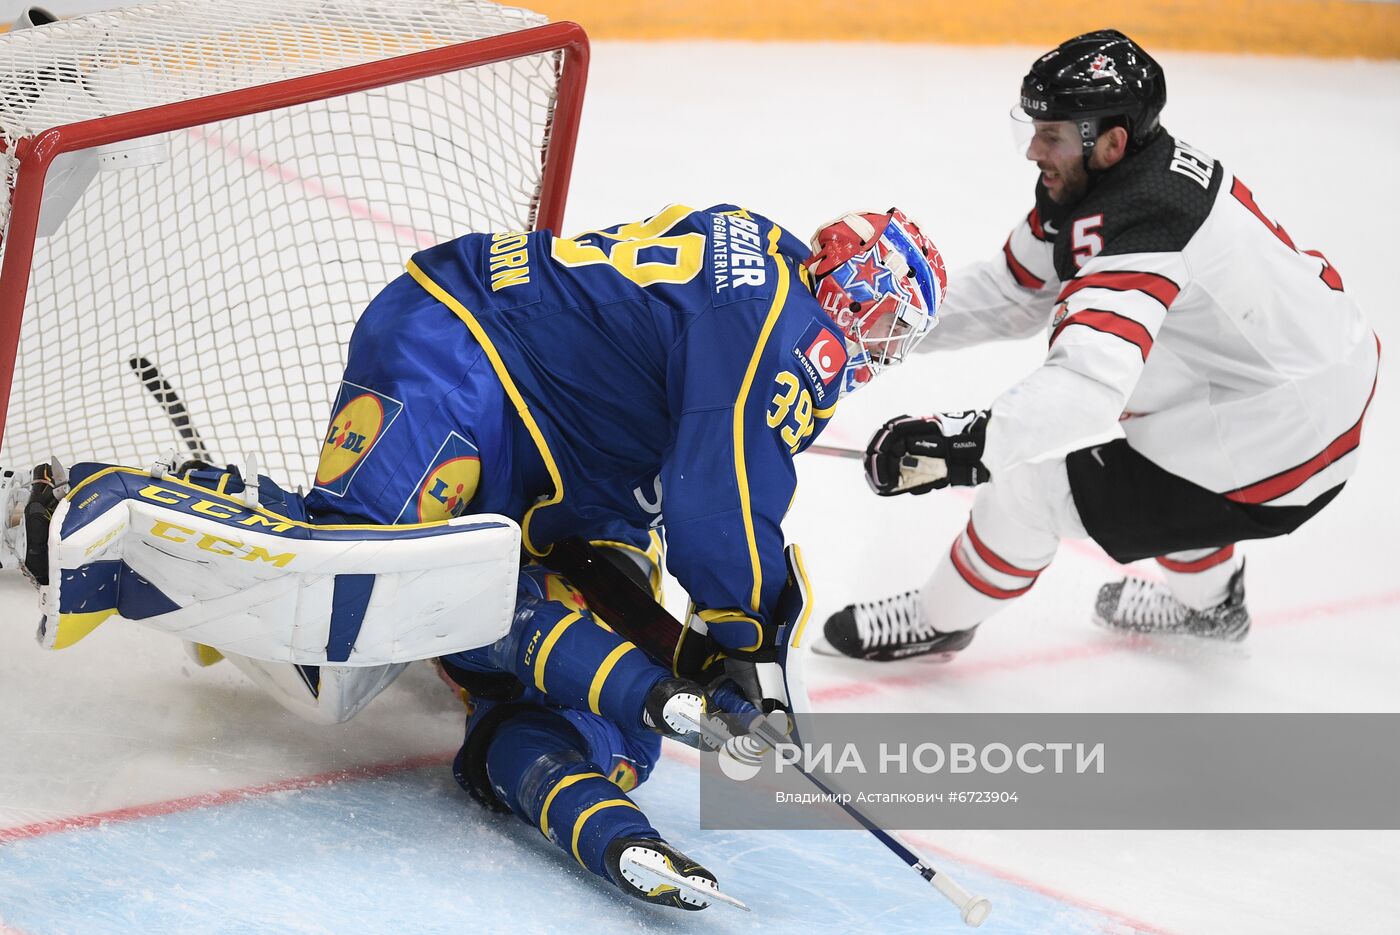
pixel 587 814
pixel 548 645
pixel 497 364
pixel 595 690
pixel 562 784
pixel 740 469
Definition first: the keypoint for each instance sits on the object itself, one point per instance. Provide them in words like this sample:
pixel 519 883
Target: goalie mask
pixel 882 281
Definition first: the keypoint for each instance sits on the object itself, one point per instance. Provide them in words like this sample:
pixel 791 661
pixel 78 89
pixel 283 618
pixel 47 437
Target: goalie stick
pixel 636 616
pixel 169 401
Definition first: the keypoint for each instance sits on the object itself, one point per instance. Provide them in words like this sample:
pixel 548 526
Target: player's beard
pixel 1071 182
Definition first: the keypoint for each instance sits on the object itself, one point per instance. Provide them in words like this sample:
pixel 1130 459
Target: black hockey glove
pixel 44 494
pixel 916 455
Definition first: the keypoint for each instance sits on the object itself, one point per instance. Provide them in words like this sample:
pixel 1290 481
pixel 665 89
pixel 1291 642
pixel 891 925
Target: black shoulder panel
pixel 1151 202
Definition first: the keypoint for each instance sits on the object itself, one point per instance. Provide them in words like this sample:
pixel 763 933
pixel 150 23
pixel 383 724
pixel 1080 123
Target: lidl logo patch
pixel 450 483
pixel 360 420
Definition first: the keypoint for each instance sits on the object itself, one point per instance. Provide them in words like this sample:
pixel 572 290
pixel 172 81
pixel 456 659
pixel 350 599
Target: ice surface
pixel 124 724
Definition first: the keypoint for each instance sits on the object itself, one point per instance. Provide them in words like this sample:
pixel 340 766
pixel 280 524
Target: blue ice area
pixel 411 853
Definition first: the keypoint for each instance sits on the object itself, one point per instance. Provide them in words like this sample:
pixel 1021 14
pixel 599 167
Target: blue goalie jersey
pixel 663 371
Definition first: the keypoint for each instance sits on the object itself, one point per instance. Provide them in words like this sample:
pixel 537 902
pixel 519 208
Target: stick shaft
pixel 169 401
pixel 836 451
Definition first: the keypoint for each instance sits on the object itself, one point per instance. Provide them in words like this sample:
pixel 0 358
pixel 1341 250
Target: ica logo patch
pixel 822 355
pixel 449 484
pixel 361 418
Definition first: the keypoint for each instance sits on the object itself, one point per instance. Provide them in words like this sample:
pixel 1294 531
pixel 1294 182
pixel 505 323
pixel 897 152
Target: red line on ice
pixel 224 797
pixel 1137 925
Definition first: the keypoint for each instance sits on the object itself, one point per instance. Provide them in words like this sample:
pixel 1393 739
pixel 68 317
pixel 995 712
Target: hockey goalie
pixel 525 390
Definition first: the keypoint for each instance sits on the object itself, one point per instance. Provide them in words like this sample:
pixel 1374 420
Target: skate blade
pixel 821 647
pixel 1178 642
pixel 703 891
pixel 711 730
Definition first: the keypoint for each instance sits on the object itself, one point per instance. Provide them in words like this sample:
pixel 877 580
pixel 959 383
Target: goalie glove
pixel 916 455
pixel 755 673
pixel 28 502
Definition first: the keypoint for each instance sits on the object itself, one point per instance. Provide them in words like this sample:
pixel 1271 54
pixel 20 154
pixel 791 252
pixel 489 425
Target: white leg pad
pixel 330 695
pixel 213 570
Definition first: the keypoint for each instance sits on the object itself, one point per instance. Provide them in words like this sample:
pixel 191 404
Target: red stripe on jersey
pixel 1023 276
pixel 978 583
pixel 1271 488
pixel 1109 323
pixel 1159 287
pixel 1037 228
pixel 995 560
pixel 1200 564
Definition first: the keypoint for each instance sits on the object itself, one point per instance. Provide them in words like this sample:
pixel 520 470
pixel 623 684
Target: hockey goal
pixel 201 195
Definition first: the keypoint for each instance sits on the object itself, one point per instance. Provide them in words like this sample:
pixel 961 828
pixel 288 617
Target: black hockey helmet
pixel 1098 80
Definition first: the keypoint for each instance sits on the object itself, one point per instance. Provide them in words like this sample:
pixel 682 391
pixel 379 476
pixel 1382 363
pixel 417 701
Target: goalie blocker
pixel 240 569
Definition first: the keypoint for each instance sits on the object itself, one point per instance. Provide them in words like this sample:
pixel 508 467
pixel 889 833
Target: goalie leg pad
pixel 252 582
pixel 322 694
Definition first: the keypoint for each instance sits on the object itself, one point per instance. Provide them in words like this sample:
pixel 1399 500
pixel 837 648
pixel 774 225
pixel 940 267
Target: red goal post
pixel 227 240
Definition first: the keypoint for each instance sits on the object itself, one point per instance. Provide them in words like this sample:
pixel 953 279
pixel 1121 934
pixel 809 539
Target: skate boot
pixel 1137 606
pixel 677 708
pixel 653 871
pixel 889 629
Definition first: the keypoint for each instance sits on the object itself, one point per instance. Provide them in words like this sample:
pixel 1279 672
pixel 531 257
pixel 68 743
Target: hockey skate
pixel 889 629
pixel 677 708
pixel 653 871
pixel 1137 606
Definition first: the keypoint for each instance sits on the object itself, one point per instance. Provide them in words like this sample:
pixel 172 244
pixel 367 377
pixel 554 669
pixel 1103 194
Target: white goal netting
pixel 223 264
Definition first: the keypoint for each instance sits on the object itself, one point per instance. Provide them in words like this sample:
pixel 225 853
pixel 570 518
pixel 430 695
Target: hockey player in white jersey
pixel 1232 359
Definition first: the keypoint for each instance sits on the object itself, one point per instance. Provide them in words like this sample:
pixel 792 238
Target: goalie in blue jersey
pixel 653 376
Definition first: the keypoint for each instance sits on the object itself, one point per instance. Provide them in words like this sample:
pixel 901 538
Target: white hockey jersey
pixel 1174 305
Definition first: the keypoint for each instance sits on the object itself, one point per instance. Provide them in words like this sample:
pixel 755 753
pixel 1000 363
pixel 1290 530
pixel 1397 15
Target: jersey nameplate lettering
pixel 510 260
pixel 738 260
pixel 1192 163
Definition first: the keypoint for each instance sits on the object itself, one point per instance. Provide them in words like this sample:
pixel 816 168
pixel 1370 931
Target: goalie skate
pixel 1137 606
pixel 653 871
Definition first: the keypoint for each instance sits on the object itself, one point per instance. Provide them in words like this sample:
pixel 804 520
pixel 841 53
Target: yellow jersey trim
pixel 734 616
pixel 548 645
pixel 595 690
pixel 521 409
pixel 740 470
pixel 560 785
pixel 587 814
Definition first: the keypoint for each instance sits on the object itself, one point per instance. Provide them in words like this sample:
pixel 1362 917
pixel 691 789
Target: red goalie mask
pixel 881 280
